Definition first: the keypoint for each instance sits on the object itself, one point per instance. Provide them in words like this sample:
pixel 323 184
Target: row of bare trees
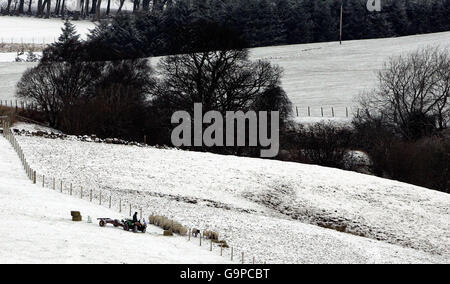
pixel 87 8
pixel 43 8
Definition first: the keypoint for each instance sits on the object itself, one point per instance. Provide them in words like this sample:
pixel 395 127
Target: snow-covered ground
pixel 10 74
pixel 11 56
pixel 36 227
pixel 337 121
pixel 36 30
pixel 269 209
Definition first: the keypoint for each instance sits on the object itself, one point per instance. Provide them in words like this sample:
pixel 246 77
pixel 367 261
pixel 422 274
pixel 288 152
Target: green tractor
pixel 129 224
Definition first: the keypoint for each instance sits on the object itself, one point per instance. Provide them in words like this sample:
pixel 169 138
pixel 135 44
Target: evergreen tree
pixel 67 46
pixel 397 17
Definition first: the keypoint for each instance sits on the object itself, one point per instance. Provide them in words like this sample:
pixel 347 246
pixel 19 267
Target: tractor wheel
pixel 125 227
pixel 101 223
pixel 144 230
pixel 135 229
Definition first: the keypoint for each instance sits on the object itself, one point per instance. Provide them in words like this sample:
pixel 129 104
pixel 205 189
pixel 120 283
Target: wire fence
pixel 107 199
pixel 326 112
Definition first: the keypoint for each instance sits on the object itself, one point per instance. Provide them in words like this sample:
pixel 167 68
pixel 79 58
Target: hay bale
pixel 77 219
pixel 75 213
pixel 167 233
pixel 151 219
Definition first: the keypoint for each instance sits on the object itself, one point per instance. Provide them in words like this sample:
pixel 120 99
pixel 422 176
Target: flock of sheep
pixel 170 226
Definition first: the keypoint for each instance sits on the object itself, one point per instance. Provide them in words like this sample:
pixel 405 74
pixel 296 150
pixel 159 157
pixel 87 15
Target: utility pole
pixel 340 25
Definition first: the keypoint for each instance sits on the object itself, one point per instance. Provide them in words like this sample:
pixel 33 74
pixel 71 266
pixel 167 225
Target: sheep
pixel 210 235
pixel 183 231
pixel 223 244
pixel 215 236
pixel 168 224
pixel 179 229
pixel 158 220
pixel 195 232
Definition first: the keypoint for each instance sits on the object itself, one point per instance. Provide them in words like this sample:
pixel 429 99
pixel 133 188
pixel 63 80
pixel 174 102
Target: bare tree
pixel 413 93
pixel 220 80
pixel 120 6
pixel 97 10
pixel 58 85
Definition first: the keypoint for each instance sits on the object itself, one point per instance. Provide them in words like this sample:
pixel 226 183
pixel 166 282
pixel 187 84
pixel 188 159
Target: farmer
pixel 135 219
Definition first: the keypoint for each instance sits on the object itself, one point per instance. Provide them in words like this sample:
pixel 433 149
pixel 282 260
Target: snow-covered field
pixel 316 75
pixel 36 227
pixel 36 30
pixel 10 74
pixel 269 209
pixel 327 74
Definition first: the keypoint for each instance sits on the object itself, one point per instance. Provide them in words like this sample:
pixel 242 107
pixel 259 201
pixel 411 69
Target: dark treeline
pixel 160 24
pixel 124 98
pixel 271 22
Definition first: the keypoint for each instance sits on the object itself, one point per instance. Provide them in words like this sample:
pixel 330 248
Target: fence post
pixel 210 244
pixel 100 197
pixel 90 195
pixel 200 239
pixel 34 177
pixel 321 111
pixel 81 193
pixel 346 111
pixel 140 214
pixel 120 205
pixel 61 186
pixel 43 180
pixel 242 257
pixel 309 111
pixel 232 252
pixel 189 236
pixel 110 201
pixel 296 108
pixel 71 189
pixel 332 111
pixel 54 184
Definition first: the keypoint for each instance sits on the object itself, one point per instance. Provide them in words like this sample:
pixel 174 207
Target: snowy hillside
pixel 276 211
pixel 35 227
pixel 315 75
pixel 330 75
